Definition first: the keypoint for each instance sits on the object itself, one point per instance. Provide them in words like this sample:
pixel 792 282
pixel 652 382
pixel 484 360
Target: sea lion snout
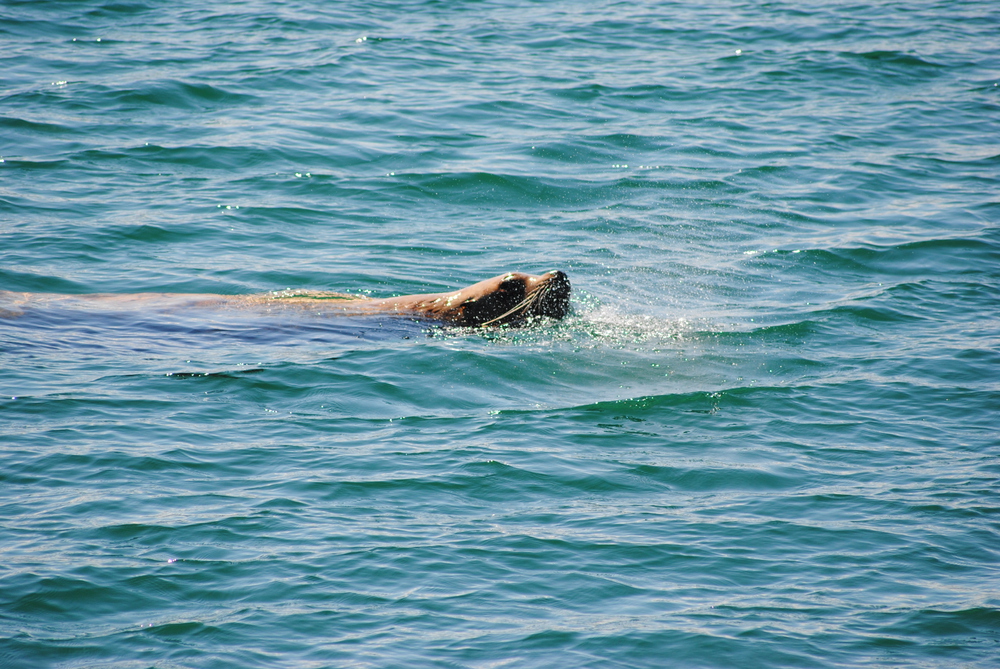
pixel 554 302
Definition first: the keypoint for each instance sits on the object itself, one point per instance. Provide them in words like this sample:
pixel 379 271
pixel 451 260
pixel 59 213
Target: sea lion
pixel 511 299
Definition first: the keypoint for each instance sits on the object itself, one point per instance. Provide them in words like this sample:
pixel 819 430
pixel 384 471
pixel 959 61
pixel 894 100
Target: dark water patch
pixel 52 408
pixel 943 300
pixel 18 163
pixel 200 157
pixel 175 94
pixel 975 160
pixel 26 23
pixel 27 126
pixel 976 621
pixel 946 256
pixel 482 483
pixel 12 280
pixel 66 599
pixel 149 234
pixel 702 479
pixel 895 60
pixel 698 402
pixel 507 190
pixel 872 316
pixel 113 9
pixel 794 334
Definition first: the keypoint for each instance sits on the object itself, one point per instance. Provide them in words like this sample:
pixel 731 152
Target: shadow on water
pixel 152 330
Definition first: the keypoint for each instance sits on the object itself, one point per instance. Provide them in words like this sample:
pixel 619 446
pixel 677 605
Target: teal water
pixel 767 436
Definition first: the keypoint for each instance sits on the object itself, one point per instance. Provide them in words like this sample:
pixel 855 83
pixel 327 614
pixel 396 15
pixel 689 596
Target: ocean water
pixel 767 436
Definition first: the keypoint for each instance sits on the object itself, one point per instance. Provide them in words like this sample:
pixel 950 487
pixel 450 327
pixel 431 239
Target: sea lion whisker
pixel 517 307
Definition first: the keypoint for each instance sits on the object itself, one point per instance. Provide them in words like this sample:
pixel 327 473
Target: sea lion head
pixel 512 299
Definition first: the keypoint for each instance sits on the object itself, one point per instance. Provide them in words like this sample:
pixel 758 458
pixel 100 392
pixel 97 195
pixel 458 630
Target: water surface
pixel 766 436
